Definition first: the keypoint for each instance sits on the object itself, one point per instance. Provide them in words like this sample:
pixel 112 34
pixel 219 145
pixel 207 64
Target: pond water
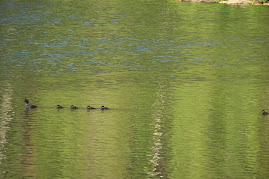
pixel 185 84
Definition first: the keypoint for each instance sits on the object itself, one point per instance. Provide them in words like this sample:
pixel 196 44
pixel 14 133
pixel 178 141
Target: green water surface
pixel 185 83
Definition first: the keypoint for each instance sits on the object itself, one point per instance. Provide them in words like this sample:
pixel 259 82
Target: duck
pixel 29 106
pixel 264 113
pixel 103 107
pixel 89 107
pixel 59 106
pixel 73 107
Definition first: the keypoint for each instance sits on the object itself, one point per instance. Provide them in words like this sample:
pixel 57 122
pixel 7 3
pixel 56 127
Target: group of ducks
pixel 31 106
pixel 74 107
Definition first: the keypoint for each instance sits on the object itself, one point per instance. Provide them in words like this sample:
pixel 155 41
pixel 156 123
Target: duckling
pixel 29 106
pixel 89 107
pixel 264 113
pixel 73 107
pixel 59 106
pixel 103 107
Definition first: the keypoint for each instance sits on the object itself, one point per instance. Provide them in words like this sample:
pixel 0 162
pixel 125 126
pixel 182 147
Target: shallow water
pixel 185 83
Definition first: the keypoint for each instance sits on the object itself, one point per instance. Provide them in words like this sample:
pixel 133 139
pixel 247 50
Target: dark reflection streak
pixel 264 141
pixel 29 149
pixel 216 134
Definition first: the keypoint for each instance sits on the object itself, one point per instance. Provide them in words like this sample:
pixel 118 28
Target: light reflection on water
pixel 185 83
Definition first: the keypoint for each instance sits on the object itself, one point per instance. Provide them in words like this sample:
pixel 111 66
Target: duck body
pixel 73 107
pixel 264 113
pixel 103 107
pixel 29 106
pixel 90 107
pixel 59 106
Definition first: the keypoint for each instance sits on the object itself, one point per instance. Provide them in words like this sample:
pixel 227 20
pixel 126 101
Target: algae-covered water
pixel 185 84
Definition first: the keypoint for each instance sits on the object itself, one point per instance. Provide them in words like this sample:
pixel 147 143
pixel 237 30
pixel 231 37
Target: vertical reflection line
pixel 6 107
pixel 157 134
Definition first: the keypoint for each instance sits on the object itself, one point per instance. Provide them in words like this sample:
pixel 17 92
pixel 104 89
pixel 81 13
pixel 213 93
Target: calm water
pixel 186 83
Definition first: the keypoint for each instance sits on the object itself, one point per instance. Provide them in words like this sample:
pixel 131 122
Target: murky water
pixel 185 83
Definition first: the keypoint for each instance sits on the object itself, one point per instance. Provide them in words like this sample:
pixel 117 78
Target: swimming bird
pixel 29 106
pixel 89 107
pixel 73 107
pixel 264 113
pixel 103 107
pixel 59 106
